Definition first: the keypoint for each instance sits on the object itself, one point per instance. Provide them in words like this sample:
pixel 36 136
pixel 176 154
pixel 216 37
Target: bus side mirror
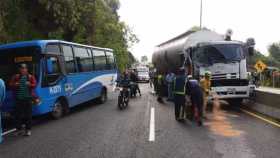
pixel 49 66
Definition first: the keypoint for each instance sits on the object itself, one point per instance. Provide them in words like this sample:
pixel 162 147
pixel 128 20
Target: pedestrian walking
pixel 2 97
pixel 179 90
pixel 205 84
pixel 170 77
pixel 23 85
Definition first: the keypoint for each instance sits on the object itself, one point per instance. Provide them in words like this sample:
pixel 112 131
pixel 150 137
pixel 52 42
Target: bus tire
pixel 58 110
pixel 103 97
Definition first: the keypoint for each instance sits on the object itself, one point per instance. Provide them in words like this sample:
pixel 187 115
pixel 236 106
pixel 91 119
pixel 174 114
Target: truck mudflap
pixel 228 92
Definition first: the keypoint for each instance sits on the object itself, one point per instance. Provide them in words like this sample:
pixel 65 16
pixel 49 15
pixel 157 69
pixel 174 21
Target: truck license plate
pixel 231 90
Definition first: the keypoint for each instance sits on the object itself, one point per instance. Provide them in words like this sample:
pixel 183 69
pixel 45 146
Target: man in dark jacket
pixel 195 92
pixel 134 79
pixel 179 91
pixel 23 85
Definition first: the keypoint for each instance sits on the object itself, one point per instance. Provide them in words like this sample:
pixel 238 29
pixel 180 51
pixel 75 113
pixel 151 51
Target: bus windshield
pixel 11 58
pixel 220 53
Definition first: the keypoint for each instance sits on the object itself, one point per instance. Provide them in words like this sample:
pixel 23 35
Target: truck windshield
pixel 11 58
pixel 220 53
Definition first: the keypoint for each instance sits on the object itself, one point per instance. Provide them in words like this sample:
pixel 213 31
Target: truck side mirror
pixel 250 43
pixel 49 66
pixel 251 51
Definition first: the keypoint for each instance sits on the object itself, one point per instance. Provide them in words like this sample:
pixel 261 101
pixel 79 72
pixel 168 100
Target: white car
pixel 143 76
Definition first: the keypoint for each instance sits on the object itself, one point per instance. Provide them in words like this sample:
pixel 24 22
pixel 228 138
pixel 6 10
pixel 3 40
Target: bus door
pixel 52 82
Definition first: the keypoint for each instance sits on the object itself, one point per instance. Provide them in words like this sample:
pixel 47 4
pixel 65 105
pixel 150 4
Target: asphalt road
pixel 104 131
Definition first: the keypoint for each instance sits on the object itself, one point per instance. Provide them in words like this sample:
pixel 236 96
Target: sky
pixel 156 21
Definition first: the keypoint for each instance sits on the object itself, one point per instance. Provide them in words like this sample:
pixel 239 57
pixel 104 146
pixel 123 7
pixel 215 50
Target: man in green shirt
pixel 23 85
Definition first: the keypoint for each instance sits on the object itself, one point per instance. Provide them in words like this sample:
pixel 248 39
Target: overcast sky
pixel 156 21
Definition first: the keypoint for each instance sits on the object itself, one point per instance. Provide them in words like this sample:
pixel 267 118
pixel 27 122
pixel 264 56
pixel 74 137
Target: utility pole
pixel 200 15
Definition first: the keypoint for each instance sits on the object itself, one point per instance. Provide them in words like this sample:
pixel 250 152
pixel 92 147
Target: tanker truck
pixel 206 50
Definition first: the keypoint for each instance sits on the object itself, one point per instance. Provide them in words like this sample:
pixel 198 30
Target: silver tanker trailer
pixel 209 51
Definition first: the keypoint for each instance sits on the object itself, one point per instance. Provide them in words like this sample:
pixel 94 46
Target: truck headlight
pixel 228 76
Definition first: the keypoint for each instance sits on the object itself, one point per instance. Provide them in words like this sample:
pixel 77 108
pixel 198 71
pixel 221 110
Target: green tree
pixel 93 22
pixel 274 51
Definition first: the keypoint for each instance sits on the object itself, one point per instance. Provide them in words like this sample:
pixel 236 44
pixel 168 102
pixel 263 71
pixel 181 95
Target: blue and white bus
pixel 67 74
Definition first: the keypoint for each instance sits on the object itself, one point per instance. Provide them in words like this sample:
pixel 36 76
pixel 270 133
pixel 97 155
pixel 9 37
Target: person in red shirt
pixel 23 85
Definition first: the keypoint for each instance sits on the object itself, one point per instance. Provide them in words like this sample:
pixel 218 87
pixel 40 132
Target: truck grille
pixel 223 76
pixel 229 82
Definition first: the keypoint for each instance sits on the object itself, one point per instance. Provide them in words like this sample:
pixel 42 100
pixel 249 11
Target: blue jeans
pixel 170 91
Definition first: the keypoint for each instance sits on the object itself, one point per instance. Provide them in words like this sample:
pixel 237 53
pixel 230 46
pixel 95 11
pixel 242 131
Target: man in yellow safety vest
pixel 205 84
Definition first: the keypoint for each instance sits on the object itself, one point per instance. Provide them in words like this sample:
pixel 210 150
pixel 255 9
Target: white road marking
pixel 152 125
pixel 261 118
pixel 8 132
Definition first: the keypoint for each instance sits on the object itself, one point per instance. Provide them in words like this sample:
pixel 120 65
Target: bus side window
pixel 84 59
pixel 99 59
pixel 69 59
pixel 52 71
pixel 53 49
pixel 110 60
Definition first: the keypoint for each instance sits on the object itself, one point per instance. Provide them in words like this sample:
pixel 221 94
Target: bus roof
pixel 42 44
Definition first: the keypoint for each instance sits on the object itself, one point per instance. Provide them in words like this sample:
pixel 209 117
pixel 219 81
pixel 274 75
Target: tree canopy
pixel 93 22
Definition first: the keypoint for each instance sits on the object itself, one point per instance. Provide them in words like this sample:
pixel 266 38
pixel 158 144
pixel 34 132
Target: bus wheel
pixel 57 110
pixel 103 97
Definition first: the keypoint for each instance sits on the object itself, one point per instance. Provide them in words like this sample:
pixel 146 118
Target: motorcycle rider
pixel 124 82
pixel 134 79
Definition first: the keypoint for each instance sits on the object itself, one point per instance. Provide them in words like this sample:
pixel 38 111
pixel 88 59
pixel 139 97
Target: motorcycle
pixel 123 98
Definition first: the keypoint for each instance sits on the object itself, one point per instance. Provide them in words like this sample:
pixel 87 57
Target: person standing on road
pixel 151 75
pixel 23 85
pixel 160 83
pixel 170 79
pixel 195 92
pixel 205 84
pixel 155 81
pixel 2 97
pixel 179 90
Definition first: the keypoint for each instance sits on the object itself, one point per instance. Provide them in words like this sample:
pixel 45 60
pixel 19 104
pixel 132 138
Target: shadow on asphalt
pixel 46 118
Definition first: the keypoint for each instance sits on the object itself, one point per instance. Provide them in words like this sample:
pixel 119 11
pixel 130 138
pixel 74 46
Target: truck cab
pixel 226 60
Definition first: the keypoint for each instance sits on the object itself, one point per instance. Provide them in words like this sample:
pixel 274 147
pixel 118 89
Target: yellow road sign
pixel 260 66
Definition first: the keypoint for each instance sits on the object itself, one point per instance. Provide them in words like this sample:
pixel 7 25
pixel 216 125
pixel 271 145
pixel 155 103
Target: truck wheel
pixel 235 102
pixel 57 110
